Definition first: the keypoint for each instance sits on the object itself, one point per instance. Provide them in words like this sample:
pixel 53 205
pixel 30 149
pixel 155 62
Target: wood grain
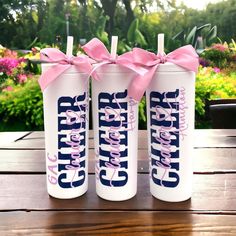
pixel 26 208
pixel 116 223
pixel 28 192
pixel 33 161
pixel 205 160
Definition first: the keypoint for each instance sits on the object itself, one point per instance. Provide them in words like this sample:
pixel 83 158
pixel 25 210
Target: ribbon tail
pixel 93 72
pixel 140 83
pixel 86 67
pixel 51 74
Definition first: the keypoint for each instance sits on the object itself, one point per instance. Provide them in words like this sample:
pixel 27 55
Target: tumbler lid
pixel 111 68
pixel 73 69
pixel 170 67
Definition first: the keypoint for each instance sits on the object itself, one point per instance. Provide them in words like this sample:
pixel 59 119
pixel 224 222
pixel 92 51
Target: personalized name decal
pixel 167 127
pixel 69 171
pixel 114 124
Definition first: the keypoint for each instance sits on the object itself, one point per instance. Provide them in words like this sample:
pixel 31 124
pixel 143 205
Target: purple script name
pixel 183 126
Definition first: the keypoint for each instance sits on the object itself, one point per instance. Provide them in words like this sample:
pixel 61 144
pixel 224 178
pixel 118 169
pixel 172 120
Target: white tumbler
pixel 170 112
pixel 66 102
pixel 115 122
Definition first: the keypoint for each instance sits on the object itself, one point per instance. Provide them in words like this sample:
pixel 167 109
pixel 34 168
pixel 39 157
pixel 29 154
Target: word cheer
pixel 168 124
pixel 71 141
pixel 114 124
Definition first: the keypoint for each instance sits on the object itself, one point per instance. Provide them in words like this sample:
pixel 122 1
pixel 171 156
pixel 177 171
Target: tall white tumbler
pixel 115 120
pixel 65 102
pixel 170 113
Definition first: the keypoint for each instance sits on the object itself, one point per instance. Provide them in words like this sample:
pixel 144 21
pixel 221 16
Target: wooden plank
pixel 115 223
pixel 10 137
pixel 215 132
pixel 33 161
pixel 201 132
pixel 25 144
pixel 214 160
pixel 225 138
pixel 22 161
pixel 28 192
pixel 207 160
pixel 40 135
pixel 203 139
pixel 215 142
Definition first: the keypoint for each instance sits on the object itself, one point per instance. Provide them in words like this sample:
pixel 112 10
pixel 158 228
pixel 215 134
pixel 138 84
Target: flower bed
pixel 20 96
pixel 212 84
pixel 216 79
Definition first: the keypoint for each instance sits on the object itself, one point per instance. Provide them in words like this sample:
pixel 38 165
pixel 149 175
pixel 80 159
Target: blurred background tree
pixel 26 23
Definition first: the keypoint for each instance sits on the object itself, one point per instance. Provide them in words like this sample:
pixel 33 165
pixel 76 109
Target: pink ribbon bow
pixel 185 57
pixel 142 62
pixel 63 63
pixel 96 50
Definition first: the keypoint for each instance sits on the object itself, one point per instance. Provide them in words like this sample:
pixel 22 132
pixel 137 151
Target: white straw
pixel 69 46
pixel 114 42
pixel 160 43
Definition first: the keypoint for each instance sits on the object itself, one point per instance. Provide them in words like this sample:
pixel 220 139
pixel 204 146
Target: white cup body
pixel 170 114
pixel 65 103
pixel 115 121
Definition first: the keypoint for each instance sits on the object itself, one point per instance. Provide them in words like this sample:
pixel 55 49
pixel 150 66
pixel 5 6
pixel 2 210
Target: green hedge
pixel 22 108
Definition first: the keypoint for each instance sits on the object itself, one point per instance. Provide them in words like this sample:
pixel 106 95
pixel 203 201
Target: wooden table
pixel 26 208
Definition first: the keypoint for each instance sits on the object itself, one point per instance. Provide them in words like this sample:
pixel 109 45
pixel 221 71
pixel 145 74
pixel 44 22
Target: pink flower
pixel 220 47
pixel 8 88
pixel 8 64
pixel 22 78
pixel 21 59
pixel 10 54
pixel 216 70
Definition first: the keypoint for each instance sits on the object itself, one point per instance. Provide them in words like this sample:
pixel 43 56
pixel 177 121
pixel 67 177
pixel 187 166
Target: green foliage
pixel 142 114
pixel 218 55
pixel 217 58
pixel 222 14
pixel 24 103
pixel 212 84
pixel 22 23
pixel 232 45
pixel 198 37
pixel 100 29
pixel 191 38
pixel 134 36
pixel 33 43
